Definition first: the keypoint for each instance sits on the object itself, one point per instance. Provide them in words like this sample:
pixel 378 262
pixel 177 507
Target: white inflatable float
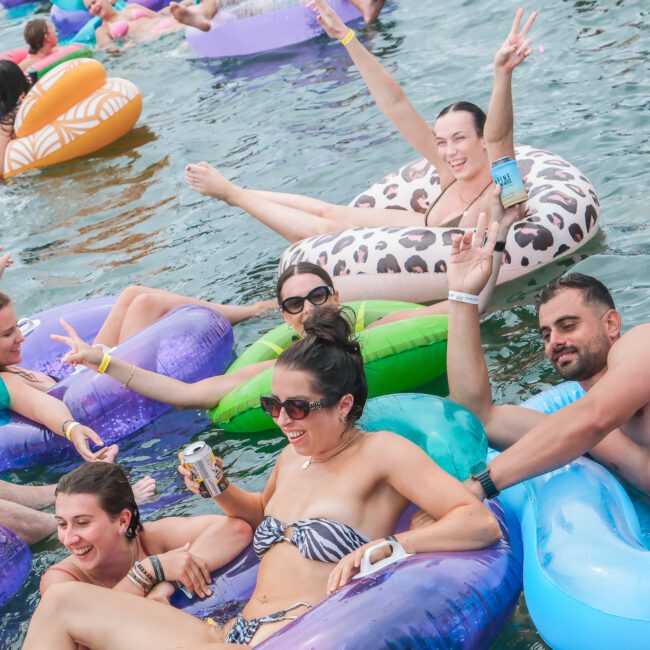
pixel 410 263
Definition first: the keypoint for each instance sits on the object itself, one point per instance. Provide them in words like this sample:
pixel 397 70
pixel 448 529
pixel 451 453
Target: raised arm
pixel 203 394
pixel 614 400
pixel 499 126
pixel 5 260
pixel 471 268
pixel 390 98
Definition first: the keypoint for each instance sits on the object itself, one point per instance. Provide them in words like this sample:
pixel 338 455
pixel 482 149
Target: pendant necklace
pixel 335 452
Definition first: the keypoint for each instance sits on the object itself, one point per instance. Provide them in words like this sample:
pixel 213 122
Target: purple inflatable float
pixel 427 600
pixel 259 25
pixel 15 562
pixel 191 343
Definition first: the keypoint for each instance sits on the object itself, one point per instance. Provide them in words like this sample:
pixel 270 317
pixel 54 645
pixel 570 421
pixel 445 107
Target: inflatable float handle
pixel 28 325
pixel 397 553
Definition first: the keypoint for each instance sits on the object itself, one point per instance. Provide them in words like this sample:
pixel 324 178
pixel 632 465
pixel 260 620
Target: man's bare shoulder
pixel 633 347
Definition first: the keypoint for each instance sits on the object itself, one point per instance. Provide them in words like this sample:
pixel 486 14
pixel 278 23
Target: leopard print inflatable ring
pixel 410 263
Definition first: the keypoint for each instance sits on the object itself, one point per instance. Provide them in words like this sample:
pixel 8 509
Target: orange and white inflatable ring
pixel 410 263
pixel 72 111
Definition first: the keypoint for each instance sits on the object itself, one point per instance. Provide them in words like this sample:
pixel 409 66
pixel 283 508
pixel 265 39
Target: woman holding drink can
pixel 460 146
pixel 334 492
pixel 98 521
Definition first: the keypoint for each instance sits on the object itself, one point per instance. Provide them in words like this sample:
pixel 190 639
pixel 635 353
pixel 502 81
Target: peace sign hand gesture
pixel 470 263
pixel 516 47
pixel 80 352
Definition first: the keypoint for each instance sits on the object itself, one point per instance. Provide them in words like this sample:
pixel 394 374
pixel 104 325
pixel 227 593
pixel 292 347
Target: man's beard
pixel 586 363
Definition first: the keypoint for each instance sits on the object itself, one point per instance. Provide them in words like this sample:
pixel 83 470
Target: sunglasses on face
pixel 296 409
pixel 317 296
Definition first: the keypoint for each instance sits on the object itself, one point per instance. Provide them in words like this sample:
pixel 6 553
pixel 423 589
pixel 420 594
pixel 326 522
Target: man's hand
pixel 470 263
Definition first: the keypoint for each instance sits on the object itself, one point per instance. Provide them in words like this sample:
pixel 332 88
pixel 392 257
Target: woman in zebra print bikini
pixel 334 492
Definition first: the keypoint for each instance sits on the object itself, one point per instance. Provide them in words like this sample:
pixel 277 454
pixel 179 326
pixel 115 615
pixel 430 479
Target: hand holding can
pixel 506 174
pixel 203 469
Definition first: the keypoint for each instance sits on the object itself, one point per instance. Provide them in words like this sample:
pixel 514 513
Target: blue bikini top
pixel 316 539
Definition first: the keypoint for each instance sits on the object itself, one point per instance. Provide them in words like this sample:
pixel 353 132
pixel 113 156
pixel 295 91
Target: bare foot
pixel 191 16
pixel 265 305
pixel 144 489
pixel 205 179
pixel 5 261
pixel 107 454
pixel 369 9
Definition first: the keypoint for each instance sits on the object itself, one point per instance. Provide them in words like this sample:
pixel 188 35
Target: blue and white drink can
pixel 506 173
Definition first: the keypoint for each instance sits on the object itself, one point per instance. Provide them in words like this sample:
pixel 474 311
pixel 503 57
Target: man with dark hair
pixel 581 330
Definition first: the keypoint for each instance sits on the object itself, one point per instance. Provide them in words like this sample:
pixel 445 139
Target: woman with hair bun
pixel 334 492
pixel 99 523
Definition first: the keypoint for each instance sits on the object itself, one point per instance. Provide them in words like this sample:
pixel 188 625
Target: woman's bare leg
pixel 139 307
pixel 104 619
pixel 32 525
pixel 199 16
pixel 286 214
pixel 31 496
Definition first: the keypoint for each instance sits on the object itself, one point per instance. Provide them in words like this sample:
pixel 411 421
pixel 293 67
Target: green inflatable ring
pixel 405 356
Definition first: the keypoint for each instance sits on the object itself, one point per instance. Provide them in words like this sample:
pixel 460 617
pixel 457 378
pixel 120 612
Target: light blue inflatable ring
pixel 586 550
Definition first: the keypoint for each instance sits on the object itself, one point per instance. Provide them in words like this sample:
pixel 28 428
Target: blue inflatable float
pixel 426 600
pixel 586 550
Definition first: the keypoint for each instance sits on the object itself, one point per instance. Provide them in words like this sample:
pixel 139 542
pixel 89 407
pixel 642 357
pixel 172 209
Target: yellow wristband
pixel 69 428
pixel 106 359
pixel 348 37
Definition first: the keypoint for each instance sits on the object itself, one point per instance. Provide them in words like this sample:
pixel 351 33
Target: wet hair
pixel 13 84
pixel 111 487
pixel 593 291
pixel 302 268
pixel 476 112
pixel 34 34
pixel 330 354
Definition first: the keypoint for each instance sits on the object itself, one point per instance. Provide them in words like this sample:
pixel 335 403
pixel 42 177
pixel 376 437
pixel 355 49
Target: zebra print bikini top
pixel 316 539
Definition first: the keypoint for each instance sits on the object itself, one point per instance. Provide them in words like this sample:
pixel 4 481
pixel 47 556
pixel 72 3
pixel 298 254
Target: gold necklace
pixel 335 452
pixel 476 198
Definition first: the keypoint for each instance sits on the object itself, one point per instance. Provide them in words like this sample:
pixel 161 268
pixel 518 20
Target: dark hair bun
pixel 332 325
pixel 331 354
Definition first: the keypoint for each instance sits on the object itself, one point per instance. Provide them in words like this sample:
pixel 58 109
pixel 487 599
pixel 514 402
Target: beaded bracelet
pixel 64 425
pixel 106 359
pixel 348 37
pixel 139 568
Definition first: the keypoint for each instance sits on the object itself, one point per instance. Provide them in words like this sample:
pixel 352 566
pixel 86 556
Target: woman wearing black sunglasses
pixel 300 289
pixel 334 492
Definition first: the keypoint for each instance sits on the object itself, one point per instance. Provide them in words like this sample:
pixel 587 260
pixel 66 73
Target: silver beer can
pixel 199 459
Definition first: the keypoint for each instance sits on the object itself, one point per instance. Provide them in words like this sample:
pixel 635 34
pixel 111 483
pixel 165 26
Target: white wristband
pixel 459 296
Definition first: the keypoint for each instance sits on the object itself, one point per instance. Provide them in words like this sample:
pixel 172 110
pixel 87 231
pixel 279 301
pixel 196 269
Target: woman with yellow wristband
pixel 456 147
pixel 24 392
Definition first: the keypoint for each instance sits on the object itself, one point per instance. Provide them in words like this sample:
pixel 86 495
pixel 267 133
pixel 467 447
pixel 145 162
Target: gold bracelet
pixel 106 359
pixel 348 37
pixel 128 381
